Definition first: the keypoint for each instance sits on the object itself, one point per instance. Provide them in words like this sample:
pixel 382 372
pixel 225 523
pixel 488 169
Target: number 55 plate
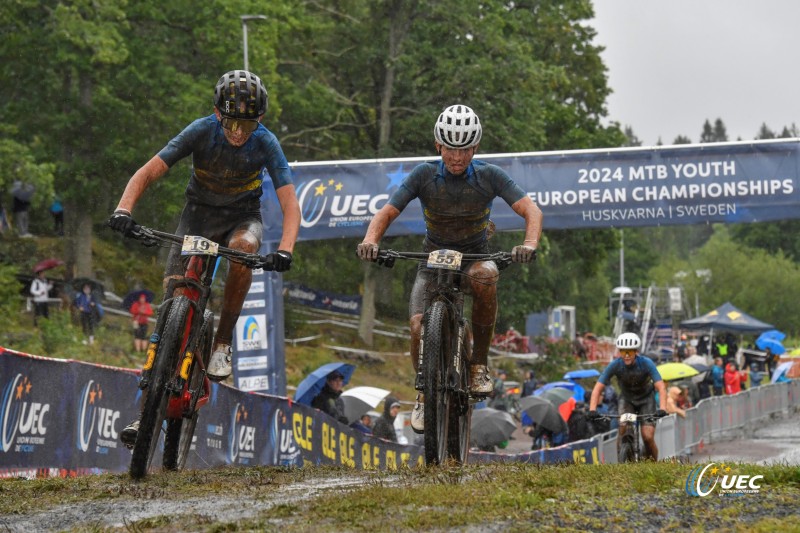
pixel 449 259
pixel 196 245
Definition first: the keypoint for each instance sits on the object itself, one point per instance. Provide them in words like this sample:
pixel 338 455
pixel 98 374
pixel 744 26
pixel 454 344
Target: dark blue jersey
pixel 223 174
pixel 456 208
pixel 635 381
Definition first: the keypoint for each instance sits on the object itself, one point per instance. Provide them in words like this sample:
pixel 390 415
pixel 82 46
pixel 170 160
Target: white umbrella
pixel 697 360
pixel 359 400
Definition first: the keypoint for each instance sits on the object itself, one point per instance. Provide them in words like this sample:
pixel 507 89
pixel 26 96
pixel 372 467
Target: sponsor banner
pixel 318 299
pixel 683 184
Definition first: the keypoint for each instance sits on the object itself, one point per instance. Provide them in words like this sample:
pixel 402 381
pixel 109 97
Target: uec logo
pixel 700 485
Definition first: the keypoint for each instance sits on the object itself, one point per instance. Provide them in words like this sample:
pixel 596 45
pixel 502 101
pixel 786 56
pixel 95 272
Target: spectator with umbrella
pixel 22 194
pixel 86 304
pixel 141 311
pixel 329 398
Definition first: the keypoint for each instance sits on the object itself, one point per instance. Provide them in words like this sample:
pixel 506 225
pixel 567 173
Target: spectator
pixel 771 362
pixel 720 348
pixel 755 376
pixel 499 400
pixel 578 349
pixel 21 194
pixel 40 290
pixel 141 311
pixel 329 398
pixel 529 385
pixel 682 349
pixel 718 376
pixel 86 304
pixel 384 426
pixel 686 399
pixel 364 424
pixel 744 374
pixel 673 400
pixel 57 210
pixel 578 425
pixel 732 379
pixel 702 345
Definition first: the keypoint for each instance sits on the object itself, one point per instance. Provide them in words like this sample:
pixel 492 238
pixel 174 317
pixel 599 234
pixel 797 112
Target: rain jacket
pixel 329 401
pixel 384 426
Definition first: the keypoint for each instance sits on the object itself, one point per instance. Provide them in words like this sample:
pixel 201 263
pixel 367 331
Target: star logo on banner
pixel 396 177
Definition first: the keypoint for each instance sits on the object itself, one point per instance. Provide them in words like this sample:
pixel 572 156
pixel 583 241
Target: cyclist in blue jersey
pixel 230 151
pixel 456 194
pixel 638 380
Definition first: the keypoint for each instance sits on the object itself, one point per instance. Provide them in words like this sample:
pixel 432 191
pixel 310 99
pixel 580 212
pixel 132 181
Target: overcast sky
pixel 672 64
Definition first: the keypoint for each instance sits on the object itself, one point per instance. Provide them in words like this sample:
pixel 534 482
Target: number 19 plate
pixel 196 245
pixel 449 259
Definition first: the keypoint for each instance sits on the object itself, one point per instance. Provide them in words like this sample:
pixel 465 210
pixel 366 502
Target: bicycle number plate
pixel 628 417
pixel 196 245
pixel 448 259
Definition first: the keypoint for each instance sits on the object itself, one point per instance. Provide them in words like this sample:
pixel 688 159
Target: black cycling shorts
pixel 645 406
pixel 215 223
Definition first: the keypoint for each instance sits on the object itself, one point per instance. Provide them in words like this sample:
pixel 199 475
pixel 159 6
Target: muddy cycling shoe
pixel 418 416
pixel 480 383
pixel 220 366
pixel 128 435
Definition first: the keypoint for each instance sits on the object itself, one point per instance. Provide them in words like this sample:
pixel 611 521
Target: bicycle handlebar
pixel 152 237
pixel 386 257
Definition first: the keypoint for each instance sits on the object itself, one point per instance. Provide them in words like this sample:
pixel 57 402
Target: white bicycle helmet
pixel 458 127
pixel 628 341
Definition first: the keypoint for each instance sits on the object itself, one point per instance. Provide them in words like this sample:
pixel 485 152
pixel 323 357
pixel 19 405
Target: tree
pixel 764 132
pixel 682 139
pixel 631 138
pixel 720 133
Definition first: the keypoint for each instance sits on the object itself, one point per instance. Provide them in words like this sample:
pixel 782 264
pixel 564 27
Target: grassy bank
pixel 500 497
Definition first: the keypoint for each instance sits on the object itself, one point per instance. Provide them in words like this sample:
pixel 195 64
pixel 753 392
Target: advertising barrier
pixel 63 418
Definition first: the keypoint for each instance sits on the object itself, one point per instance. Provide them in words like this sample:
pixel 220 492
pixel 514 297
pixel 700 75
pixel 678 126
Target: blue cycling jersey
pixel 223 174
pixel 635 380
pixel 456 209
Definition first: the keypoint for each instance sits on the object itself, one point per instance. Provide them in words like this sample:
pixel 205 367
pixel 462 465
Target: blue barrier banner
pixel 319 299
pixel 670 185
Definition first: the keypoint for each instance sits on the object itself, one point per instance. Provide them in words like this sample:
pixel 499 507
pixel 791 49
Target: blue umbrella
pixel 774 345
pixel 313 383
pixel 581 374
pixel 577 390
pixel 773 334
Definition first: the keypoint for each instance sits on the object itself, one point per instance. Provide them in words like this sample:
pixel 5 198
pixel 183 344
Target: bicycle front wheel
pixel 180 431
pixel 155 406
pixel 460 416
pixel 626 452
pixel 436 342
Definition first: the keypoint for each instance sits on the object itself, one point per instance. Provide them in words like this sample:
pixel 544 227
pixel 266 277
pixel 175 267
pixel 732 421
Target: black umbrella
pixel 133 297
pixel 543 412
pixel 491 427
pixel 97 288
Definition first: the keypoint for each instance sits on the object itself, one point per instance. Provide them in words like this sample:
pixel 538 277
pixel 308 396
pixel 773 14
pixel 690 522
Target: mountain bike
pixel 445 352
pixel 174 374
pixel 630 445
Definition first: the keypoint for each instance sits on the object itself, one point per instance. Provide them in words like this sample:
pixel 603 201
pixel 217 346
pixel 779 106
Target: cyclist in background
pixel 456 194
pixel 230 150
pixel 638 380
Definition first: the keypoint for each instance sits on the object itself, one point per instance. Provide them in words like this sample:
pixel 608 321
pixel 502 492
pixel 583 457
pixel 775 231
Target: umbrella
pixel 308 389
pixel 98 291
pixel 47 264
pixel 359 400
pixel 673 371
pixel 774 345
pixel 22 191
pixel 582 374
pixel 490 427
pixel 557 396
pixel 781 369
pixel 701 369
pixel 133 296
pixel 576 390
pixel 543 412
pixel 773 334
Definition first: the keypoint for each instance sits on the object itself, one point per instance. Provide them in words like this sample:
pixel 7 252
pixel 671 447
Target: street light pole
pixel 245 18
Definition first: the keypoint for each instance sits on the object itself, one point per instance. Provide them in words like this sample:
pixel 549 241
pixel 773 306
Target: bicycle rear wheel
pixel 180 431
pixel 436 342
pixel 155 407
pixel 460 416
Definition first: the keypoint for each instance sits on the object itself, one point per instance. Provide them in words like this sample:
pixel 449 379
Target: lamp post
pixel 245 18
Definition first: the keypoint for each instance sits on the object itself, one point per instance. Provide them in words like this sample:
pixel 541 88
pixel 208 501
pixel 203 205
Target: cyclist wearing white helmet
pixel 456 194
pixel 638 380
pixel 230 149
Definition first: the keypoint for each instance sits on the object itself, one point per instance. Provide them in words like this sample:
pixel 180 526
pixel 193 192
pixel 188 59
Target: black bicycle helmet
pixel 241 94
pixel 458 127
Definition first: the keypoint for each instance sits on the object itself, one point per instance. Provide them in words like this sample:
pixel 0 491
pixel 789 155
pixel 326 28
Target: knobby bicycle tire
pixel 155 406
pixel 460 416
pixel 436 344
pixel 626 451
pixel 180 431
